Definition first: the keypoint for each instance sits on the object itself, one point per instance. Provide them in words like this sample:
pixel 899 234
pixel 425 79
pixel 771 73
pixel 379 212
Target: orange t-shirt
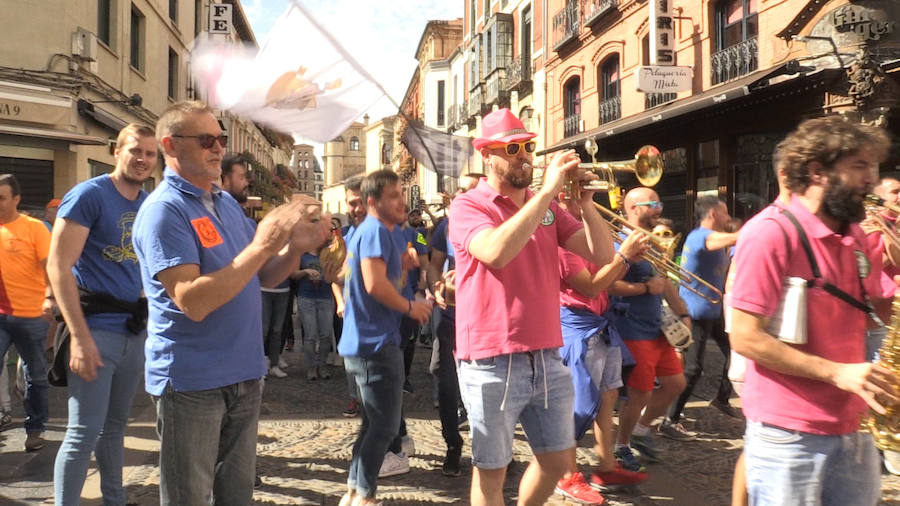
pixel 24 244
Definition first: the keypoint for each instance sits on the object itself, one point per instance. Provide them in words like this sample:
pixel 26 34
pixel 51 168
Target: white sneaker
pixel 892 462
pixel 282 364
pixel 394 464
pixel 277 372
pixel 408 445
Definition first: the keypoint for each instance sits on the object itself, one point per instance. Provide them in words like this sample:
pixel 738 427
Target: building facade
pixel 345 157
pixel 310 178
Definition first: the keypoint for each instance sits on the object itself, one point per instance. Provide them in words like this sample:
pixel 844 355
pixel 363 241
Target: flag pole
pixel 347 56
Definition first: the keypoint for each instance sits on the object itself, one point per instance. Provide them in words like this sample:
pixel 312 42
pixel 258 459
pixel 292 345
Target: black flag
pixel 441 152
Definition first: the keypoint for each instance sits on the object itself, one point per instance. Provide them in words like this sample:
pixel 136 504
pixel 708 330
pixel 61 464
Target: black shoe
pixel 725 408
pixel 257 482
pixel 407 387
pixel 462 418
pixel 451 462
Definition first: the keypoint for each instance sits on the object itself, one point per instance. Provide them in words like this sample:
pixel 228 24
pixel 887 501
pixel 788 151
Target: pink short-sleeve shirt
pixel 835 330
pixel 571 264
pixel 516 308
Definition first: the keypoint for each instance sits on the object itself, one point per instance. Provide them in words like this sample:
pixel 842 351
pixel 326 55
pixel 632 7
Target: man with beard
pixel 643 288
pixel 234 177
pixel 507 322
pixel 92 258
pixel 803 402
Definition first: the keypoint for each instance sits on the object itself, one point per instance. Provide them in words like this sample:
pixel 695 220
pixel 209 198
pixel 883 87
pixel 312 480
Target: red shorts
pixel 656 358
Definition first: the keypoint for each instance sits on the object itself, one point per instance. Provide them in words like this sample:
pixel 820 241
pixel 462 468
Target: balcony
pixel 518 75
pixel 458 115
pixel 652 100
pixel 594 10
pixel 610 110
pixel 565 25
pixel 571 125
pixel 735 61
pixel 495 89
pixel 475 101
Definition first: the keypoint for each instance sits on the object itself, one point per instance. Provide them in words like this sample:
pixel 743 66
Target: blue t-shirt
pixel 368 325
pixel 174 228
pixel 309 289
pixel 440 241
pixel 710 266
pixel 643 318
pixel 416 236
pixel 107 263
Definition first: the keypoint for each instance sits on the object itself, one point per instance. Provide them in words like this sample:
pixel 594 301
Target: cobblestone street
pixel 305 446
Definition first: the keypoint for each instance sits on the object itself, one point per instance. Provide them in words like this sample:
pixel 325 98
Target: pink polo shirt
pixel 516 308
pixel 571 264
pixel 835 330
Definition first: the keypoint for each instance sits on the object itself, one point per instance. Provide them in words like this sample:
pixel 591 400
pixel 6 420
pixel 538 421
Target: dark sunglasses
pixel 206 141
pixel 513 148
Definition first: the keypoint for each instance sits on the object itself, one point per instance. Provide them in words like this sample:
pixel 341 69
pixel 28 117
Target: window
pixel 475 62
pixel 386 154
pixel 525 45
pixel 487 8
pixel 173 10
pixel 104 21
pixel 173 74
pixel 498 43
pixel 354 143
pixel 572 97
pixel 472 6
pixel 441 105
pixel 137 38
pixel 99 168
pixel 609 77
pixel 737 22
pixel 198 17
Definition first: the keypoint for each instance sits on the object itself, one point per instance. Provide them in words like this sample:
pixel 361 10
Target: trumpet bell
pixel 648 166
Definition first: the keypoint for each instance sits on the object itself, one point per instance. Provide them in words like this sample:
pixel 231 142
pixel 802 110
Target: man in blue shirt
pixel 91 256
pixel 370 343
pixel 705 254
pixel 202 266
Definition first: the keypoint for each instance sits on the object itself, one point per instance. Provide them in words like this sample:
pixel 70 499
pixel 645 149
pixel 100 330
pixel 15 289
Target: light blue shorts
pixel 533 388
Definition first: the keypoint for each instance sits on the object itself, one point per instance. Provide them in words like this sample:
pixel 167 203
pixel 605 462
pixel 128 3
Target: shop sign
pixel 862 22
pixel 414 195
pixel 220 18
pixel 37 111
pixel 662 33
pixel 874 23
pixel 664 79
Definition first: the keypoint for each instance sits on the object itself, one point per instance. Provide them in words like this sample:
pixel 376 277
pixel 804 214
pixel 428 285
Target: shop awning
pixel 713 97
pixel 48 133
pixel 106 119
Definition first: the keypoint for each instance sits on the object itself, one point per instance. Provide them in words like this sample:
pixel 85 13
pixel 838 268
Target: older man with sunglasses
pixel 507 323
pixel 202 264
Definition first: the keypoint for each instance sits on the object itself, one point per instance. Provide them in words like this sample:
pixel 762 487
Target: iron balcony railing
pixel 593 10
pixel 565 25
pixel 495 88
pixel 654 99
pixel 475 101
pixel 610 110
pixel 571 125
pixel 518 73
pixel 735 61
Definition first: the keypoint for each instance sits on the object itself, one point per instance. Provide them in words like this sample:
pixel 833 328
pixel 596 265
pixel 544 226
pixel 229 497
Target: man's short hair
pixel 704 204
pixel 354 184
pixel 12 182
pixel 825 140
pixel 133 129
pixel 172 120
pixel 373 184
pixel 230 161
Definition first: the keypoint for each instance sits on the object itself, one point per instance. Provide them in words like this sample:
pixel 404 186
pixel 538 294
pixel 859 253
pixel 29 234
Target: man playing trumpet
pixel 507 329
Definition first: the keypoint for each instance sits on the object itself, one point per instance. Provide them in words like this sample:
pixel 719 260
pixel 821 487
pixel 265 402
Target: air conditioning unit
pixel 84 45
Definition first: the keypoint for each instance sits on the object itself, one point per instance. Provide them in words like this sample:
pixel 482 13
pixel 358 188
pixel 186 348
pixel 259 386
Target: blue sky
pixel 381 34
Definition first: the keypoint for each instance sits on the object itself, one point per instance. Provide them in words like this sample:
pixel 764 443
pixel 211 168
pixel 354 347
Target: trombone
pixel 660 256
pixel 874 206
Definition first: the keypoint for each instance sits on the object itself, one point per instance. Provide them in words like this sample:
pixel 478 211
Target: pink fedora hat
pixel 501 127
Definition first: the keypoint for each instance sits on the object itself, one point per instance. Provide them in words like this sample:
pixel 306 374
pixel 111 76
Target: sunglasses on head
pixel 206 141
pixel 652 204
pixel 514 147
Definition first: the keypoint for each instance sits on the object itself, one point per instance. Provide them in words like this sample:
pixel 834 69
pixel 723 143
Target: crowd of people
pixel 539 313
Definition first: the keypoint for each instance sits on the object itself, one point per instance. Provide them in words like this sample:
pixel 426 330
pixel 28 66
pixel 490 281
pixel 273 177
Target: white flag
pixel 301 82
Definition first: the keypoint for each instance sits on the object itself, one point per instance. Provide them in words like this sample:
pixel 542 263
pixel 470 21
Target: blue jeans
pixel 274 311
pixel 380 381
pixel 786 467
pixel 199 464
pixel 317 319
pixel 98 414
pixel 28 336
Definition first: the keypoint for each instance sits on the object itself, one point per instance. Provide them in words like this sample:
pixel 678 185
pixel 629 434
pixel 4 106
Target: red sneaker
pixel 576 490
pixel 617 478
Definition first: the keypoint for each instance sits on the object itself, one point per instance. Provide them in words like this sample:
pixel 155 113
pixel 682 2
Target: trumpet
pixel 660 256
pixel 873 202
pixel 647 167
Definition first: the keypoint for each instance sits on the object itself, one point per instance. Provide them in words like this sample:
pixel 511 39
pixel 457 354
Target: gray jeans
pixel 274 310
pixel 317 318
pixel 202 466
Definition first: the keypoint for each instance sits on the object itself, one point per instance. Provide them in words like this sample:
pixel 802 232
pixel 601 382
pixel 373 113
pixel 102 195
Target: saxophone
pixel 886 428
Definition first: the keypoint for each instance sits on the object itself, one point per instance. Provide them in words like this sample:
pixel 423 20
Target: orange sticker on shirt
pixel 207 232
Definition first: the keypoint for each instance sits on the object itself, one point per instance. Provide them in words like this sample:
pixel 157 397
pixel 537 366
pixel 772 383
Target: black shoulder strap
pixel 828 287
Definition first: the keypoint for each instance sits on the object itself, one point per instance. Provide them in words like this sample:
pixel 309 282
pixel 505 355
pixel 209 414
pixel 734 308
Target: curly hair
pixel 825 140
